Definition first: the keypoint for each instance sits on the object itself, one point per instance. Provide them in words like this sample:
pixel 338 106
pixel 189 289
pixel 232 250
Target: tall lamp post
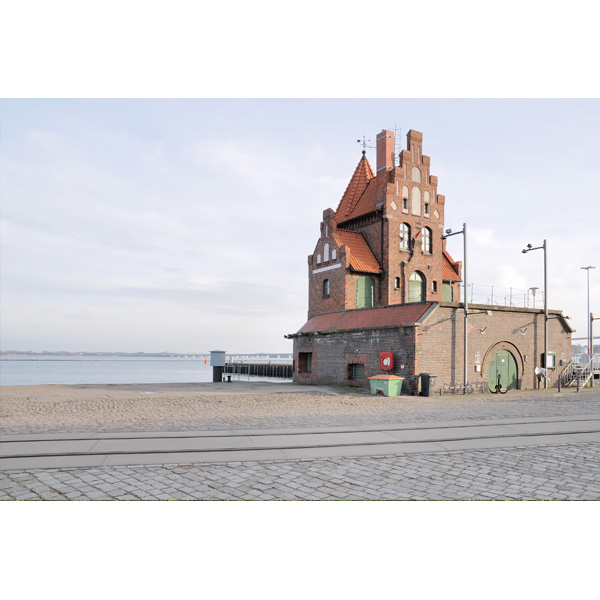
pixel 543 247
pixel 590 341
pixel 464 233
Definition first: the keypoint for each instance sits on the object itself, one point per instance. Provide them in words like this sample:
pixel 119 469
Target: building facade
pixel 381 280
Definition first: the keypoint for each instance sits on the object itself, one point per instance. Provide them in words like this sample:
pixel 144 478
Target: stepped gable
pixel 361 257
pixel 363 174
pixel 450 268
pixel 368 318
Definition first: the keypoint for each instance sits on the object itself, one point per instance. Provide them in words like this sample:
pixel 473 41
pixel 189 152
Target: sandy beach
pixel 207 406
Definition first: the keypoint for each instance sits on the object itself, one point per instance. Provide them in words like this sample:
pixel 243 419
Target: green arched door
pixel 503 363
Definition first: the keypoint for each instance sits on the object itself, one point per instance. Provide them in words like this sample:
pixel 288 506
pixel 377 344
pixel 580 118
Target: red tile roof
pixel 361 257
pixel 352 197
pixel 390 316
pixel 449 268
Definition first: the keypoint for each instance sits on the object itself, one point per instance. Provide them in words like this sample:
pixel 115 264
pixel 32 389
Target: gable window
pixel 333 254
pixel 416 174
pixel 305 363
pixel 426 240
pixel 326 288
pixel 404 236
pixel 318 259
pixel 405 198
pixel 326 253
pixel 416 287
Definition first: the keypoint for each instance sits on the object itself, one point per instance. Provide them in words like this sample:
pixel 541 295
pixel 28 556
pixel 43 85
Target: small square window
pixel 356 372
pixel 305 362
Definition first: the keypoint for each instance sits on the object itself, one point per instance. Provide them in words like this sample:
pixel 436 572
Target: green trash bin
pixel 389 385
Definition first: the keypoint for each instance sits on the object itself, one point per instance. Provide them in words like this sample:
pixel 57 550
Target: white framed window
pixel 404 236
pixel 426 239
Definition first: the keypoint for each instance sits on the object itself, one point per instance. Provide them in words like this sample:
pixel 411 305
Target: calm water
pixel 38 370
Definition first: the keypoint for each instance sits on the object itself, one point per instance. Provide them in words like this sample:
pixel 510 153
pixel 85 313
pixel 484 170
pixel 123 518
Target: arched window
pixel 326 253
pixel 326 288
pixel 416 287
pixel 318 259
pixel 333 254
pixel 426 239
pixel 426 203
pixel 404 236
pixel 416 201
pixel 365 292
pixel 416 174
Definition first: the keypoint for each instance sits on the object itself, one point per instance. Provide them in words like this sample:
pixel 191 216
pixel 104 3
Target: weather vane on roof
pixel 364 144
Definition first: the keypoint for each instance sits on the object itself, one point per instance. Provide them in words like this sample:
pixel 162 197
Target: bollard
pixel 578 382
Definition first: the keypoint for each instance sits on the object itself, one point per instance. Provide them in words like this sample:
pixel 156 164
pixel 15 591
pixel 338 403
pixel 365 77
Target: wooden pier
pixel 247 369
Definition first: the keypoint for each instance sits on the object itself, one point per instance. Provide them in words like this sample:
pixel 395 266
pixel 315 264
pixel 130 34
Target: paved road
pixel 544 465
pixel 29 451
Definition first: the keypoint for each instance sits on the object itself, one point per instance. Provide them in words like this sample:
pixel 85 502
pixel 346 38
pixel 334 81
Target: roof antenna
pixel 364 145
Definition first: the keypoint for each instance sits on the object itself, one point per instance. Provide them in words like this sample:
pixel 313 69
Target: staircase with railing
pixel 577 374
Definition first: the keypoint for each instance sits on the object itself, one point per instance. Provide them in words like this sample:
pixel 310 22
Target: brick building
pixel 381 280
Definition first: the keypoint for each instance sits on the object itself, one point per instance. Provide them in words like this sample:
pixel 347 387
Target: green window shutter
pixel 446 292
pixel 365 288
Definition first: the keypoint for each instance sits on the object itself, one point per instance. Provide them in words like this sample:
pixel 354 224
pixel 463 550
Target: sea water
pixel 72 370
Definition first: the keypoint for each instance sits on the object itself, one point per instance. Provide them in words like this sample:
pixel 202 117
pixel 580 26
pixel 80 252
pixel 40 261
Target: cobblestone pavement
pixel 568 472
pixel 562 472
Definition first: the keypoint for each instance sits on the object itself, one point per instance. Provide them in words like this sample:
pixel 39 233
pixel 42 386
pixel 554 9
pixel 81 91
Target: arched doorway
pixel 503 363
pixel 416 287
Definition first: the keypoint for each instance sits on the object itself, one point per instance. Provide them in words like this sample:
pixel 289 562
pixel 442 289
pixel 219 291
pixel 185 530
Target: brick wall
pixel 440 342
pixel 436 346
pixel 333 352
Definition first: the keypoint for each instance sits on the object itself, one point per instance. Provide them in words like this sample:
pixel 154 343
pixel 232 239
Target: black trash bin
pixel 428 384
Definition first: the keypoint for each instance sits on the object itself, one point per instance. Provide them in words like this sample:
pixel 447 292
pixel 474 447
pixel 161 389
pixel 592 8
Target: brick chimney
pixel 385 151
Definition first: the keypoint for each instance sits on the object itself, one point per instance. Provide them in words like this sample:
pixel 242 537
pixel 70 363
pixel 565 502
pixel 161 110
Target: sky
pixel 185 225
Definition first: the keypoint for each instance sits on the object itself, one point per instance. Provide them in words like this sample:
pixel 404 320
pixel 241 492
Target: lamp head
pixel 448 231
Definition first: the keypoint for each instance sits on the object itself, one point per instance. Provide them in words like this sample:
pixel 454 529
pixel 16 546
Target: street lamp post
pixel 591 326
pixel 466 312
pixel 544 248
pixel 590 340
